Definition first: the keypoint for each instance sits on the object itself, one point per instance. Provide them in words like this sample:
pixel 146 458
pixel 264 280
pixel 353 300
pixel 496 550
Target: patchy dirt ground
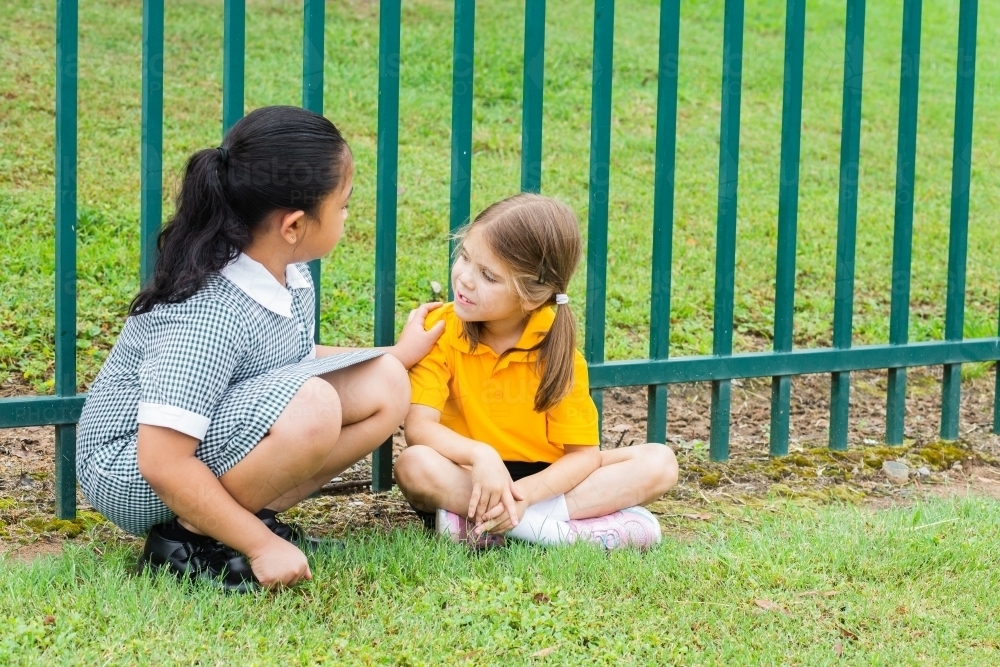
pixel 811 473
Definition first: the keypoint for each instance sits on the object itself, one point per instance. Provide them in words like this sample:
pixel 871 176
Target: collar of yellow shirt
pixel 538 325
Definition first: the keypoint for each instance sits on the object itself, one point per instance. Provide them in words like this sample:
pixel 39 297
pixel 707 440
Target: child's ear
pixel 292 226
pixel 531 306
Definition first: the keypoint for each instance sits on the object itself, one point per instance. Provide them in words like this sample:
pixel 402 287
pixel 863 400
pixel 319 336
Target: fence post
pixel 788 202
pixel 67 72
pixel 600 169
pixel 958 238
pixel 463 66
pixel 233 54
pixel 534 83
pixel 996 391
pixel 725 248
pixel 313 34
pixel 385 205
pixel 909 87
pixel 663 211
pixel 151 176
pixel 847 216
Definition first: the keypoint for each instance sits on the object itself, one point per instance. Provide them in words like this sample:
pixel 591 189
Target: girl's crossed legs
pixel 628 476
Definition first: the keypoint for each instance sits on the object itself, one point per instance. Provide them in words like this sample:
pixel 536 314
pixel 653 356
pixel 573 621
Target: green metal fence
pixel 659 371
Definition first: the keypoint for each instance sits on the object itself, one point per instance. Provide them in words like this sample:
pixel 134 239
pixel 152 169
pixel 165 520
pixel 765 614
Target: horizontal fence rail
pixel 659 371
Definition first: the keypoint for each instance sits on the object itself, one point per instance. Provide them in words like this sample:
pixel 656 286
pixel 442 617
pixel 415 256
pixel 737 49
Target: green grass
pixel 110 69
pixel 907 586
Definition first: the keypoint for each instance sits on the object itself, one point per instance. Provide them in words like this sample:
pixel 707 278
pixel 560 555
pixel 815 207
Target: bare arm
pixel 491 483
pixel 565 474
pixel 423 427
pixel 187 486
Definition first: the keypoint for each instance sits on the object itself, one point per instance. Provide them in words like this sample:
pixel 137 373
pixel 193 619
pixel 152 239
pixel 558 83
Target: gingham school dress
pixel 220 367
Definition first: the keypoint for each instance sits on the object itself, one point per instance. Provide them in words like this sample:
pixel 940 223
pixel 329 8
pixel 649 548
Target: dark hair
pixel 274 158
pixel 537 239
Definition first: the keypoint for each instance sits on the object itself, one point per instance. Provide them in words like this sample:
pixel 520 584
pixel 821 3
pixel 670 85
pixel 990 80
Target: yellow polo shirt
pixel 490 399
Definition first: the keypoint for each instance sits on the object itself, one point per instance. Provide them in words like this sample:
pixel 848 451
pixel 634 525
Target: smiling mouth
pixel 462 299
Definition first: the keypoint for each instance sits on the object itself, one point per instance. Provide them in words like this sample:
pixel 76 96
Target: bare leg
pixel 429 480
pixel 331 422
pixel 628 476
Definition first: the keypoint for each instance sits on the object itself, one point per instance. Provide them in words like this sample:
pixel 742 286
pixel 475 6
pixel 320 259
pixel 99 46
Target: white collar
pixel 253 278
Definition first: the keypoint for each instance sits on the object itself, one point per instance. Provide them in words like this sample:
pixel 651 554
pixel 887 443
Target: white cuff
pixel 170 416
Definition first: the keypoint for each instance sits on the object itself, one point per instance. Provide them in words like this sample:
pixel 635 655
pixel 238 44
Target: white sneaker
pixel 631 527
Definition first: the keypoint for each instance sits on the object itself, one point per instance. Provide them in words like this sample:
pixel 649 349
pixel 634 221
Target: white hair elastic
pixel 562 299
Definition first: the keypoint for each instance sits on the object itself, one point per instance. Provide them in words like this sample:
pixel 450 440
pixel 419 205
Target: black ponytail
pixel 274 158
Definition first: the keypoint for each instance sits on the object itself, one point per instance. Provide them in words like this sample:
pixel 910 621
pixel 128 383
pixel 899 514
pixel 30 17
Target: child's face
pixel 328 225
pixel 481 286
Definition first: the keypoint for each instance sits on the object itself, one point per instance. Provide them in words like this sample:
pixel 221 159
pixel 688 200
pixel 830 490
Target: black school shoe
pixel 292 533
pixel 187 555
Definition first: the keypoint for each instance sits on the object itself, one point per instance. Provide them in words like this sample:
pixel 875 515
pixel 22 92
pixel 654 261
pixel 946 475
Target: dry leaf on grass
pixel 847 634
pixel 812 594
pixel 544 652
pixel 838 648
pixel 769 605
pixel 697 517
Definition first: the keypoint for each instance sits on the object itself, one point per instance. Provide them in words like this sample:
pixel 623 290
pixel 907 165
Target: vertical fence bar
pixel 958 239
pixel 461 119
pixel 233 53
pixel 599 182
pixel 902 242
pixel 847 216
pixel 67 63
pixel 663 211
pixel 996 391
pixel 725 249
pixel 534 81
pixel 151 203
pixel 313 33
pixel 385 205
pixel 788 205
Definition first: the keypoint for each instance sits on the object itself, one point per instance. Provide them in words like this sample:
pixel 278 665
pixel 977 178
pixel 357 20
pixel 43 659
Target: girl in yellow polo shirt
pixel 502 431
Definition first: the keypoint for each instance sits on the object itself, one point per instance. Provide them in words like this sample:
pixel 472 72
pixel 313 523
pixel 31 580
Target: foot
pixel 294 534
pixel 459 529
pixel 631 527
pixel 187 555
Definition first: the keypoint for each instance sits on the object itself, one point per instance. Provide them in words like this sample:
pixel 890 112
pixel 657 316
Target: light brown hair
pixel 537 240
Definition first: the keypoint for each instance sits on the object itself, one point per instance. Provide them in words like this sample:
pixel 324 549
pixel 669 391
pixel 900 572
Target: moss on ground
pixel 66 527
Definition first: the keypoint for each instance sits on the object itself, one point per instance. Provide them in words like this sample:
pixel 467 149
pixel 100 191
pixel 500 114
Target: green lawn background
pixel 110 108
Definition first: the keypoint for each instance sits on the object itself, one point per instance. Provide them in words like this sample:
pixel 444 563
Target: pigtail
pixel 556 357
pixel 203 236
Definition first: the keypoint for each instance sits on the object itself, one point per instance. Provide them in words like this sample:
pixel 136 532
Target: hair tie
pixel 562 299
pixel 224 155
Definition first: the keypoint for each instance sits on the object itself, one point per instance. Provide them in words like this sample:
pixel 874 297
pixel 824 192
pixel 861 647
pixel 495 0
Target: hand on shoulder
pixel 414 341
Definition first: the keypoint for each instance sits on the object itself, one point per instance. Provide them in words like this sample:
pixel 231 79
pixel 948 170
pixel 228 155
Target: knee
pixel 312 419
pixel 414 466
pixel 397 383
pixel 662 466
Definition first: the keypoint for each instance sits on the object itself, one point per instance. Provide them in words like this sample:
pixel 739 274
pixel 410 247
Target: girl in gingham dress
pixel 215 410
